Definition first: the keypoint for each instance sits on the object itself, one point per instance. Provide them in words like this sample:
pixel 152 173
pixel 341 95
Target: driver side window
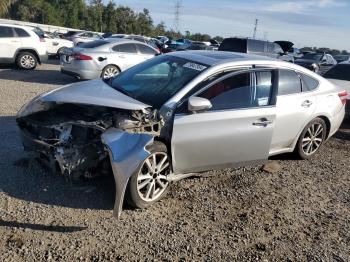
pixel 245 90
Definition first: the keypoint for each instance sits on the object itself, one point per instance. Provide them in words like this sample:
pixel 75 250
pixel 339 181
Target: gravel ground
pixel 300 212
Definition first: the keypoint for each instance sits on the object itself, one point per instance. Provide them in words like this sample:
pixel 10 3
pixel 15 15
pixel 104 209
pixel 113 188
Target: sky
pixel 321 23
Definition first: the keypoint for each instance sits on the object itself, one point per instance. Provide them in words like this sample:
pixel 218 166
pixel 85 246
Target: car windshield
pixel 39 32
pixel 155 81
pixel 316 57
pixel 340 72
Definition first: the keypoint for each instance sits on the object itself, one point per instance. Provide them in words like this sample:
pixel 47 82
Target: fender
pixel 127 152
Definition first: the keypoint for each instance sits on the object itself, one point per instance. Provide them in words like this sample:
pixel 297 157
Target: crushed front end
pixel 68 138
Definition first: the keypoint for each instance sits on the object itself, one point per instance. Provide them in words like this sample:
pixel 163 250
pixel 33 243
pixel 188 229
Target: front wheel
pixel 311 139
pixel 149 184
pixel 26 60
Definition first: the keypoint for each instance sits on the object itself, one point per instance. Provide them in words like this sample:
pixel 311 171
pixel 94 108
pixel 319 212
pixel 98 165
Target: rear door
pixel 237 130
pixel 9 43
pixel 126 55
pixel 295 108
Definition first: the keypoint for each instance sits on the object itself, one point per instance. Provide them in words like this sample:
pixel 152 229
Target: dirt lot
pixel 299 213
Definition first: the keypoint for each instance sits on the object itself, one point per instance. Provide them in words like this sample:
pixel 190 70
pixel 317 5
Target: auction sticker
pixel 195 66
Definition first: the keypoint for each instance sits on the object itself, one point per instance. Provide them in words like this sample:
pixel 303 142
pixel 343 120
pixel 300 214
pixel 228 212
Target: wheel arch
pixel 110 65
pixel 29 50
pixel 328 124
pixel 328 128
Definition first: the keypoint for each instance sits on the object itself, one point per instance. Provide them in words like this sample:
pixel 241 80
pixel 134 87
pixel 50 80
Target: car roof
pixel 218 57
pixel 17 26
pixel 122 40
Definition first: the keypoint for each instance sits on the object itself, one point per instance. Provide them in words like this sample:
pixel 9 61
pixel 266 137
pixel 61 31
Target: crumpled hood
pixel 93 92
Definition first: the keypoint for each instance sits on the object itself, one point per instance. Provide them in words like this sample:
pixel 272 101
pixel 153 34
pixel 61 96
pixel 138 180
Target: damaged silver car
pixel 177 114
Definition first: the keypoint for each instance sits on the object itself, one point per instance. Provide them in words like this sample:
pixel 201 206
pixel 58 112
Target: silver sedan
pixel 104 58
pixel 178 114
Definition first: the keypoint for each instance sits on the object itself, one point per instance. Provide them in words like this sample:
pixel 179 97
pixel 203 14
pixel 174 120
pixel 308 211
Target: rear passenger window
pixel 21 33
pixel 309 83
pixel 146 50
pixel 288 82
pixel 125 48
pixel 6 31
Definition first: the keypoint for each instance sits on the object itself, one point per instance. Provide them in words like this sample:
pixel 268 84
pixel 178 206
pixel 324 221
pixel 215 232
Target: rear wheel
pixel 109 72
pixel 149 184
pixel 311 139
pixel 60 50
pixel 26 60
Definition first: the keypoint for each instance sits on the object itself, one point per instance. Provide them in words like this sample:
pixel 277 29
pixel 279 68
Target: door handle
pixel 262 122
pixel 307 103
pixel 122 56
pixel 14 41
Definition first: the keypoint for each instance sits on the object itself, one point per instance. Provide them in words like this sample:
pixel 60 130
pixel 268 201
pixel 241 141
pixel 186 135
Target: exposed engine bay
pixel 68 136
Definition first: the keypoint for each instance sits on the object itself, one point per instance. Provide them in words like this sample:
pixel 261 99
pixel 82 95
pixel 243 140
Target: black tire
pixel 26 61
pixel 303 146
pixel 59 51
pixel 110 68
pixel 132 195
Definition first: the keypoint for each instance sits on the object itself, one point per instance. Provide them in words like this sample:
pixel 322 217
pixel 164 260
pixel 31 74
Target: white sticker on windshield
pixel 195 66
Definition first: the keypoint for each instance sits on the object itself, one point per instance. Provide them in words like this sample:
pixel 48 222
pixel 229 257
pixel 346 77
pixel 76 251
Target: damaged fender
pixel 127 151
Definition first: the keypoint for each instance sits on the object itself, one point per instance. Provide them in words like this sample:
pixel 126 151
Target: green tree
pixel 109 18
pixel 4 6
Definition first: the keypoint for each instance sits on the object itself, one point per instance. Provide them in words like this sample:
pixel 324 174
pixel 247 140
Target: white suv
pixel 22 45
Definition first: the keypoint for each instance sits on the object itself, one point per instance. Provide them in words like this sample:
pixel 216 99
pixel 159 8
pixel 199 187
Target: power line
pixel 178 6
pixel 255 28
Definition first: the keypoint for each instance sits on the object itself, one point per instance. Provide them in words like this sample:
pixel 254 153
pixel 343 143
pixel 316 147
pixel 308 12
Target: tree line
pixel 92 16
pixel 100 17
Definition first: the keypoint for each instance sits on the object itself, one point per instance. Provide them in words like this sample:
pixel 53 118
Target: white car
pixel 180 113
pixel 22 45
pixel 55 45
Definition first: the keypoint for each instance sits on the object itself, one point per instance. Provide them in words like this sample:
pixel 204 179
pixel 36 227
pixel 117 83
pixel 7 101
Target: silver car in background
pixel 180 113
pixel 82 37
pixel 104 58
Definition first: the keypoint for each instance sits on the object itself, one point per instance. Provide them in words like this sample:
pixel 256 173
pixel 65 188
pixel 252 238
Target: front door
pixel 8 43
pixel 237 130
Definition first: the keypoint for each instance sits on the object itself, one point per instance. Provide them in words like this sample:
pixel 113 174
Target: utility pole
pixel 178 5
pixel 255 28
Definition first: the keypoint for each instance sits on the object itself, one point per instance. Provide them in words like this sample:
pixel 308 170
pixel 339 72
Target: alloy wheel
pixel 152 178
pixel 27 61
pixel 313 138
pixel 110 72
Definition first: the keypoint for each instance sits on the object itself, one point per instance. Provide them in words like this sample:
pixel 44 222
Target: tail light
pixel 342 95
pixel 79 56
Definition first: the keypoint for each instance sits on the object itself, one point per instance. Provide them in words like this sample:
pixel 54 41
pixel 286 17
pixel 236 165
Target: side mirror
pixel 324 62
pixel 196 104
